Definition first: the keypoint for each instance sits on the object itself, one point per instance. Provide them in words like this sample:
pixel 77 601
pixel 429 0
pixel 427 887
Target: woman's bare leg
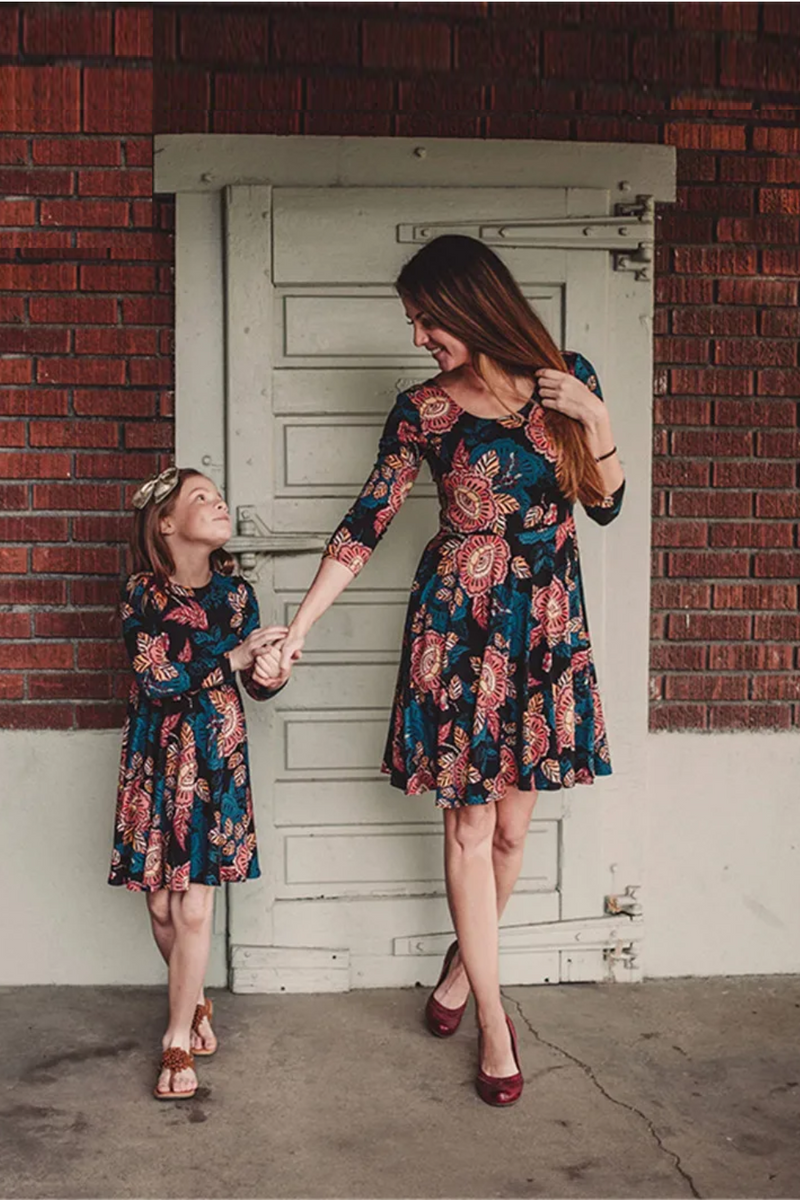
pixel 469 834
pixel 508 847
pixel 158 906
pixel 191 913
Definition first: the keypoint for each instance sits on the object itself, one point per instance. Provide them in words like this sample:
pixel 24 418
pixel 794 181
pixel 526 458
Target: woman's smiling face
pixel 449 352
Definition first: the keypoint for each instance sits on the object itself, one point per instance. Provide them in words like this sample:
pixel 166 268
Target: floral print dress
pixel 497 686
pixel 184 807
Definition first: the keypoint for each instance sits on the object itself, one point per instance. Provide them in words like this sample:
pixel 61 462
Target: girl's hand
pixel 267 669
pixel 291 650
pixel 564 393
pixel 244 655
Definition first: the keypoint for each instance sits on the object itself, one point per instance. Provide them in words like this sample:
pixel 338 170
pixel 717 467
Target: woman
pixel 496 696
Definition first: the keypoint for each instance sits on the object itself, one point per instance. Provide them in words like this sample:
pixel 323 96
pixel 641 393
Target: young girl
pixel 184 820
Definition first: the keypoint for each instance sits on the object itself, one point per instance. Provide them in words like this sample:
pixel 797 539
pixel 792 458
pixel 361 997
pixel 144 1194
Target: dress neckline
pixel 519 412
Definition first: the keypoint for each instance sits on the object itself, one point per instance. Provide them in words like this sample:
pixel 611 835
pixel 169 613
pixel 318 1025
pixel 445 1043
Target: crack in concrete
pixel 587 1070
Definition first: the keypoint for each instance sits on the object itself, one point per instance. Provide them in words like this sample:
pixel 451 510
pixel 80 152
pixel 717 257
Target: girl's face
pixel 448 351
pixel 199 515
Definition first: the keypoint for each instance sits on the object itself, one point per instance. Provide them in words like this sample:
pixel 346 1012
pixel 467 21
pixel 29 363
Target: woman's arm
pixel 329 582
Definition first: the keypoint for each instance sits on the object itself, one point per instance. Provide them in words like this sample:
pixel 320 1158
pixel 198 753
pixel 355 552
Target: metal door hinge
pixel 627 904
pixel 632 222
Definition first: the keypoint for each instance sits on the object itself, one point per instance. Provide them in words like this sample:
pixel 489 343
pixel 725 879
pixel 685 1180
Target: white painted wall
pixel 721 892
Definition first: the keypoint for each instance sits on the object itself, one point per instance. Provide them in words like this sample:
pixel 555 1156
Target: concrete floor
pixel 679 1088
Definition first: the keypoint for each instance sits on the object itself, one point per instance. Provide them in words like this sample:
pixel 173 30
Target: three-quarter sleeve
pixel 169 662
pixel 608 508
pixel 250 621
pixel 400 454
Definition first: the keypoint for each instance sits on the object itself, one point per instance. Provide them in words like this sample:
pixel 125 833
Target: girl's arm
pixel 400 454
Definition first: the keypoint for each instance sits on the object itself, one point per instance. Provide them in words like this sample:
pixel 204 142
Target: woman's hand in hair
pixel 244 655
pixel 565 394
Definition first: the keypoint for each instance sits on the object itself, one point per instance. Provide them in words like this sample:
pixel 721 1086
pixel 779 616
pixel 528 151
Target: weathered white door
pixel 316 349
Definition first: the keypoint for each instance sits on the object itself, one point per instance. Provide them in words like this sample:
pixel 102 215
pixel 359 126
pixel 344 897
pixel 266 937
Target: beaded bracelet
pixel 604 456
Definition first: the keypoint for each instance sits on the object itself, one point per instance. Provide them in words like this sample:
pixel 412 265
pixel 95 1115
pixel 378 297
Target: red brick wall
pixel 85 289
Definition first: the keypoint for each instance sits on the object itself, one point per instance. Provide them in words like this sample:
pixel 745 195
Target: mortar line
pixel 588 1071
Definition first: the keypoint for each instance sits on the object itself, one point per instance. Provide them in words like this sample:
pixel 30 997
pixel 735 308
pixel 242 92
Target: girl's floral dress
pixel 184 807
pixel 497 687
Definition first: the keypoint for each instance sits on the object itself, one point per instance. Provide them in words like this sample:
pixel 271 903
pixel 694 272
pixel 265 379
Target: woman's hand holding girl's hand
pixel 292 648
pixel 564 393
pixel 267 671
pixel 244 655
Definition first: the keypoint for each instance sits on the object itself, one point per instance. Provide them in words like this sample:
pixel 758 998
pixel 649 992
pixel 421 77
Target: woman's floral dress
pixel 184 807
pixel 497 687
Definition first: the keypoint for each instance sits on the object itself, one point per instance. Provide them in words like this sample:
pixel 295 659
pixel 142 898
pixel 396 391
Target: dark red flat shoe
pixel 443 1022
pixel 500 1091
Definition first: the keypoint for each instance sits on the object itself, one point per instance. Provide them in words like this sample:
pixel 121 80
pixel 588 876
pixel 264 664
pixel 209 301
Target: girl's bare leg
pixel 191 913
pixel 469 836
pixel 508 846
pixel 158 907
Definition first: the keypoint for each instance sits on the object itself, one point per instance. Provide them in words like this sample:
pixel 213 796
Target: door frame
pixel 198 168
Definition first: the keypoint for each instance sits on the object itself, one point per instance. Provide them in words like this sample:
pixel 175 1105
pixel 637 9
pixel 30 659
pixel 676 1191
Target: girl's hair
pixel 150 549
pixel 468 290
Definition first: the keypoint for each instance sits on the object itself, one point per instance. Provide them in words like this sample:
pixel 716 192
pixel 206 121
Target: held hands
pixel 292 649
pixel 274 665
pixel 258 642
pixel 566 394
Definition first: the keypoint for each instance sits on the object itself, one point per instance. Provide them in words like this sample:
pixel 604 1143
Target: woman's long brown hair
pixel 466 289
pixel 149 548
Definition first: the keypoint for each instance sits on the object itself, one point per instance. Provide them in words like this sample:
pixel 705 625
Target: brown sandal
pixel 200 1013
pixel 173 1060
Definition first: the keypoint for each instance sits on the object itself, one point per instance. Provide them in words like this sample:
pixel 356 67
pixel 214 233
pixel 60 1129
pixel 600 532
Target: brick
pixel 12 433
pixel 227 36
pixel 83 213
pixel 70 686
pixel 13 151
pixel 150 372
pixel 182 100
pixel 783 444
pixel 773 230
pixel 139 152
pixel 13 560
pixel 147 310
pixel 673 289
pixel 677 716
pixel 755 595
pixel 117 100
pixel 705 137
pixel 714 260
pixel 15 370
pixel 89 434
pixel 777 627
pixel 76 496
pixel 741 168
pixel 714 321
pixel 751 535
pixel 115 466
pixel 710 504
pixel 262 120
pixel 765 67
pixel 33 655
pixel 779 200
pixel 117 279
pixel 749 657
pixel 681 350
pixel 115 183
pixel 780 262
pixel 778 383
pixel 12 687
pixel 13 496
pixel 781 323
pixel 104 593
pixel 755 413
pixel 502 48
pixel 601 57
pixel 667 58
pixel 710 17
pixel 46 277
pixel 15 625
pixel 776 687
pixel 96 623
pixel 102 529
pixel 750 716
pixel 45 99
pixel 77 370
pixel 778 565
pixel 781 18
pixel 706 627
pixel 34 466
pixel 41 403
pixel 33 591
pixel 103 656
pixel 35 183
pixel 319 40
pixel 708 566
pixel 695 167
pixel 396 44
pixel 76 560
pixel 667 657
pixel 778 141
pixel 679 533
pixel 242 92
pixel 705 687
pixel 122 403
pixel 777 506
pixel 76 152
pixel 36 243
pixel 150 436
pixel 756 352
pixel 12 308
pixel 33 529
pixel 74 32
pixel 133 31
pixel 437 125
pixel 115 341
pixel 672 473
pixel 33 341
pixel 129 245
pixel 99 716
pixel 753 474
pixel 757 292
pixel 35 716
pixel 717 200
pixel 668 594
pixel 674 226
pixel 711 381
pixel 73 310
